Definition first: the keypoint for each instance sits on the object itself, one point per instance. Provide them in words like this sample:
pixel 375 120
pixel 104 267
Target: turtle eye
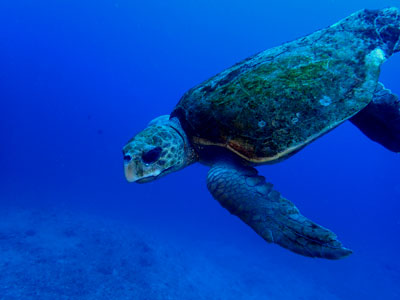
pixel 151 155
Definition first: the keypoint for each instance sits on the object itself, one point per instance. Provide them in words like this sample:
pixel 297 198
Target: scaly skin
pixel 175 152
pixel 245 194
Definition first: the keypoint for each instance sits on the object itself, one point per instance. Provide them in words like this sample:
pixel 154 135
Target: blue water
pixel 79 78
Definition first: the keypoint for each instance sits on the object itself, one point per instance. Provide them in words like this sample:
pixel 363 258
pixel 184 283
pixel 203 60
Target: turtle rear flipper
pixel 245 194
pixel 380 119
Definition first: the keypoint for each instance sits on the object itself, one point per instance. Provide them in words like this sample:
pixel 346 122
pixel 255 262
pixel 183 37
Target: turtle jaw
pixel 132 173
pixel 130 177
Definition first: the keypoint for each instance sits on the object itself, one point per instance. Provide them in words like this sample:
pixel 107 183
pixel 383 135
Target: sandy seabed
pixel 65 254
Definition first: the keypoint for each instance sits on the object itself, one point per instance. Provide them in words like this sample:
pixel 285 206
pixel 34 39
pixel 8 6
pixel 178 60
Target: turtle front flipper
pixel 380 119
pixel 247 195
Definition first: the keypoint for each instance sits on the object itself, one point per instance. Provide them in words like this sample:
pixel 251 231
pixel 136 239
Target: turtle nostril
pixel 127 158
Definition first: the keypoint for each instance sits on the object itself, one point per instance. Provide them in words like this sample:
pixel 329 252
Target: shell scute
pixel 274 103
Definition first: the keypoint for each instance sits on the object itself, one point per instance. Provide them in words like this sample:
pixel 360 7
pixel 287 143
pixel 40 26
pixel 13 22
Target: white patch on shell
pixel 376 57
pixel 262 124
pixel 325 101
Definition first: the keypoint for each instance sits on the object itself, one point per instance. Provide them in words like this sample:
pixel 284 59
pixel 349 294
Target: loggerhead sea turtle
pixel 268 107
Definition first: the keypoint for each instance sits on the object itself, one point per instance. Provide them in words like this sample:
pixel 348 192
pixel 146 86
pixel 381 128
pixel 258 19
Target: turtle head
pixel 156 151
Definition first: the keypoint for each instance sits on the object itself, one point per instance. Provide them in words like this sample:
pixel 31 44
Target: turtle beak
pixel 135 173
pixel 130 173
pixel 130 169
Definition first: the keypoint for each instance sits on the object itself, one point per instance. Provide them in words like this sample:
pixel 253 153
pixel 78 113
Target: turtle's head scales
pixel 159 149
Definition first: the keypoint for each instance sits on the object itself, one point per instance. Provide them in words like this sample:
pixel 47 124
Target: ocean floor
pixel 65 254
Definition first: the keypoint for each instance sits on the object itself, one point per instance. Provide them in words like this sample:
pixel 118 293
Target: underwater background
pixel 79 78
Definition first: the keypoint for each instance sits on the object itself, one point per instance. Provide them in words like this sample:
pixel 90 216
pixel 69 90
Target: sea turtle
pixel 268 107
